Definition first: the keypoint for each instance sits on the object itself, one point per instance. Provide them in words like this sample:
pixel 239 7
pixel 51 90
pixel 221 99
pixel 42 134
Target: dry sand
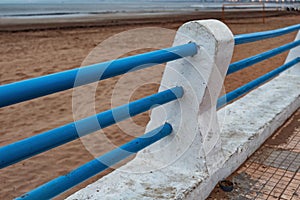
pixel 27 54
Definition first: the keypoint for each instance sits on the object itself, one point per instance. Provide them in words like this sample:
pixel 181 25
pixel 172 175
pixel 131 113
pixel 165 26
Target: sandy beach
pixel 32 50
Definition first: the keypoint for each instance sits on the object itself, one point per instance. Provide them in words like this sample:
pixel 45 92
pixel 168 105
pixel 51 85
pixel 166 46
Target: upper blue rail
pixel 253 37
pixel 44 85
pixel 37 87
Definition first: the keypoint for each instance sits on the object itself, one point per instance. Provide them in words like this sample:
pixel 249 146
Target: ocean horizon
pixel 46 10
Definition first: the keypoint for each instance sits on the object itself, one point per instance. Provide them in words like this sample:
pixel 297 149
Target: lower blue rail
pixel 223 100
pixel 63 183
pixel 241 64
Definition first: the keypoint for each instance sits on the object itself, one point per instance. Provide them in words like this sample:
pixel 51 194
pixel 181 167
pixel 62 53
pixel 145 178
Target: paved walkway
pixel 273 171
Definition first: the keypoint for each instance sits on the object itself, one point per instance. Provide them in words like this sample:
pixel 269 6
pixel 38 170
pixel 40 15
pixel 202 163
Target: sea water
pixel 47 9
pixel 60 8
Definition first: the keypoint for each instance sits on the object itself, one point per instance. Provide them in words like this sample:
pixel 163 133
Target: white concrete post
pixel 195 144
pixel 294 53
pixel 174 167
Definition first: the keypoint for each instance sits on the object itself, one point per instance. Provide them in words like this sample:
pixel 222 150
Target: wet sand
pixel 32 53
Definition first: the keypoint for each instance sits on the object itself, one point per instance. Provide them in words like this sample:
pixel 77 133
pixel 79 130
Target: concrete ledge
pixel 249 121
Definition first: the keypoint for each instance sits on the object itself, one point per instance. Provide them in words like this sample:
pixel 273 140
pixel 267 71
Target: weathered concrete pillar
pixel 175 167
pixel 195 143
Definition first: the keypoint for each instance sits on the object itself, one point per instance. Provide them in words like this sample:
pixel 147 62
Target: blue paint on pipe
pixel 37 87
pixel 239 65
pixel 253 84
pixel 63 183
pixel 29 147
pixel 252 37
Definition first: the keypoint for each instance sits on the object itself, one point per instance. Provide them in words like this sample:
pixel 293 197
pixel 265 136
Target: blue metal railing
pixel 239 65
pixel 63 183
pixel 253 37
pixel 37 87
pixel 31 146
pixel 223 100
pixel 41 86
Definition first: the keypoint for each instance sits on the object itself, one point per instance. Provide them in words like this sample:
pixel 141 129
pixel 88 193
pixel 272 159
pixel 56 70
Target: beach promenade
pixel 45 50
pixel 273 171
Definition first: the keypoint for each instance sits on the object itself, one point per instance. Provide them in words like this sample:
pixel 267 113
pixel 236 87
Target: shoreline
pixel 15 24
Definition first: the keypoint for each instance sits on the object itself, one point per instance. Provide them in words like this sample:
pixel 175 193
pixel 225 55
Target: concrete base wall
pixel 250 121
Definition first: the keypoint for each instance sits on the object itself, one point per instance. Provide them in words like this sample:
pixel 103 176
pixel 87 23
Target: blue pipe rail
pixel 227 98
pixel 37 87
pixel 241 64
pixel 90 169
pixel 31 146
pixel 253 37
